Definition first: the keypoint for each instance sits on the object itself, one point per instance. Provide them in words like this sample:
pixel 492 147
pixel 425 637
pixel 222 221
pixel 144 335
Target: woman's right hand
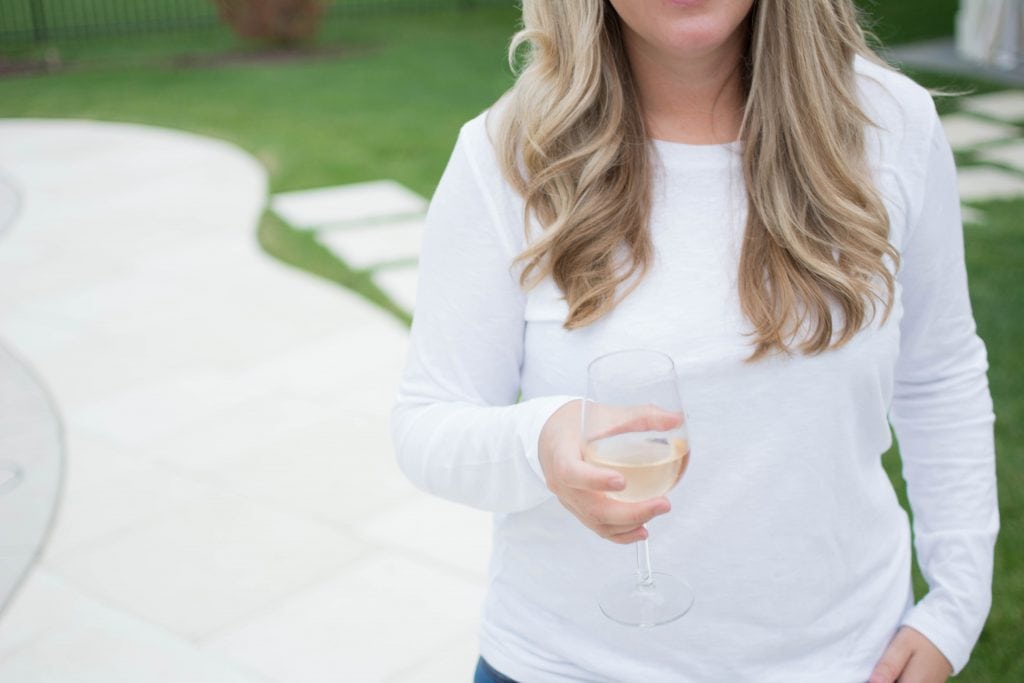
pixel 581 487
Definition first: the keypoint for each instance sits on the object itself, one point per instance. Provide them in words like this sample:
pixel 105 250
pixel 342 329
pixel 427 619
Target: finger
pixel 926 664
pixel 915 671
pixel 579 474
pixel 652 418
pixel 611 530
pixel 893 662
pixel 645 418
pixel 627 537
pixel 613 513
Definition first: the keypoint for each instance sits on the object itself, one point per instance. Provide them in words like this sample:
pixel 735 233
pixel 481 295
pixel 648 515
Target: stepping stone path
pixel 373 226
pixel 1004 105
pixel 988 132
pixel 965 130
pixel 1011 154
pixel 376 226
pixel 989 183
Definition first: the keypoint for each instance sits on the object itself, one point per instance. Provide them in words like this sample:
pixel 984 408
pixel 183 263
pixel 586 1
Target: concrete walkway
pixel 232 512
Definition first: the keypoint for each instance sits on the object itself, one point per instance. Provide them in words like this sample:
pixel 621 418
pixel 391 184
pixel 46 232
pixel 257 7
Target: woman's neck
pixel 695 101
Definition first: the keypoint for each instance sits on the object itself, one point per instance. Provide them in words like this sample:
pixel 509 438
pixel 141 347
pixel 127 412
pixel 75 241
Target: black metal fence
pixel 27 22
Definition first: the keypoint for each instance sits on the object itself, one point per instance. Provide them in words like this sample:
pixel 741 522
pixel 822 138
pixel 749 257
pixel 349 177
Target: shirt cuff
pixel 925 618
pixel 541 409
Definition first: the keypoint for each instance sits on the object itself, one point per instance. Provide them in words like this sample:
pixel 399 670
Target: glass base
pixel 629 602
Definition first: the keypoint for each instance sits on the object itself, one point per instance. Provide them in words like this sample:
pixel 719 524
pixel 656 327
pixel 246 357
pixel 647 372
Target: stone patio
pixel 232 511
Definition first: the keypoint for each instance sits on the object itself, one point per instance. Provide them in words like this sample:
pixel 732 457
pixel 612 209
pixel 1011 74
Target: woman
pixel 742 186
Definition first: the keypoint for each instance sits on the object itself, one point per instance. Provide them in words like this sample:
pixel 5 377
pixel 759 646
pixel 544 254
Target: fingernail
pixel 617 483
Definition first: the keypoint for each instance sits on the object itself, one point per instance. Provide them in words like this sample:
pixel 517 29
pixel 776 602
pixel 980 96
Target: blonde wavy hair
pixel 572 141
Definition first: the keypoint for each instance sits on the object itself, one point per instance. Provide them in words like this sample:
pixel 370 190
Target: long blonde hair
pixel 572 141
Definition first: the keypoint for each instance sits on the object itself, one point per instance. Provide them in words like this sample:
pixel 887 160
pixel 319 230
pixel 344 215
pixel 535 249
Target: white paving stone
pixel 325 369
pixel 157 411
pixel 423 526
pixel 1005 105
pixel 66 170
pixel 370 382
pixel 365 246
pixel 23 329
pixel 31 268
pixel 55 633
pixel 328 206
pixel 980 183
pixel 400 284
pixel 454 662
pixel 208 564
pixel 221 438
pixel 367 624
pixel 93 510
pixel 964 130
pixel 43 601
pixel 341 470
pixel 1010 154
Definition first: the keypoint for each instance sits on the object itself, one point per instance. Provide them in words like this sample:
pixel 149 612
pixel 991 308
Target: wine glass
pixel 633 423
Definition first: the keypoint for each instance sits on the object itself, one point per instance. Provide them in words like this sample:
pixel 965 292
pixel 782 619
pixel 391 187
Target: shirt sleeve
pixel 458 431
pixel 943 418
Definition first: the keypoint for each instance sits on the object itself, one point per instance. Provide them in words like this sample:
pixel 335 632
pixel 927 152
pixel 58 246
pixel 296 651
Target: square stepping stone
pixel 355 203
pixel 971 215
pixel 400 284
pixel 979 183
pixel 964 130
pixel 372 244
pixel 1006 105
pixel 1011 154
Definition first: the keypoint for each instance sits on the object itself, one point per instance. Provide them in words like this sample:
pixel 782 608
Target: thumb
pixel 893 661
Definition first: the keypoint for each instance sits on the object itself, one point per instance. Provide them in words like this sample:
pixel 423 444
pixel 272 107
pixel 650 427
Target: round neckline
pixel 685 152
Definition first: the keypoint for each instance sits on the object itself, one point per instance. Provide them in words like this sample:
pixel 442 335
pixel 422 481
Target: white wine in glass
pixel 650 462
pixel 633 423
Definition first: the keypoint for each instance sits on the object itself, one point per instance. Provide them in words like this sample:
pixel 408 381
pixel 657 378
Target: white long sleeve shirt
pixel 785 525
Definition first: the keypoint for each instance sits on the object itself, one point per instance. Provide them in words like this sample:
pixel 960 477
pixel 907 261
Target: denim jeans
pixel 485 673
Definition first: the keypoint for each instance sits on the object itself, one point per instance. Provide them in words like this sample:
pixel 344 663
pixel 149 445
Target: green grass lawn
pixel 995 256
pixel 995 252
pixel 388 102
pixel 904 21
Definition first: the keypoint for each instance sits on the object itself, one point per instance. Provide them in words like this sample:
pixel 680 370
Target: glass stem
pixel 643 565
